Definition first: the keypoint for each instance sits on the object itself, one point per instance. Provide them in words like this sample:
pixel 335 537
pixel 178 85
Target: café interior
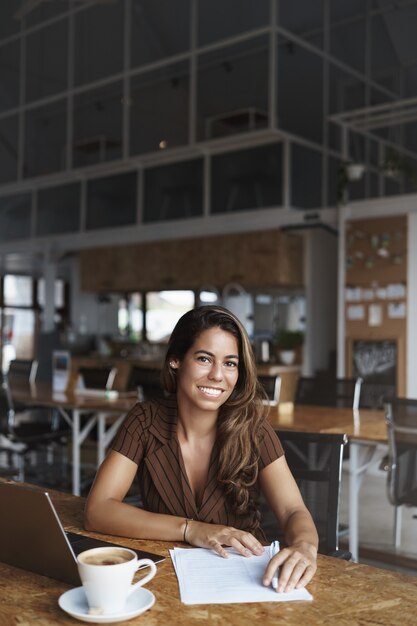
pixel 157 155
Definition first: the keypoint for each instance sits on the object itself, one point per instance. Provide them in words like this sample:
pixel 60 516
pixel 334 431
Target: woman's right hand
pixel 215 536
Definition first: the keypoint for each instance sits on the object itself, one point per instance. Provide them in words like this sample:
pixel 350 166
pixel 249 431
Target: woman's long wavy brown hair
pixel 241 415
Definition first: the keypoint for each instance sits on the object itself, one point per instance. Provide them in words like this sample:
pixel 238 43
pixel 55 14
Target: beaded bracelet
pixel 187 521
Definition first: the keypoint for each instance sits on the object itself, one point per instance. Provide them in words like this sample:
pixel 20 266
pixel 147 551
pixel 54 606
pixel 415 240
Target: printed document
pixel 204 577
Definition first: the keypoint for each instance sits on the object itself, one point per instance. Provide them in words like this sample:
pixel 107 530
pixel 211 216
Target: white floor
pixel 376 517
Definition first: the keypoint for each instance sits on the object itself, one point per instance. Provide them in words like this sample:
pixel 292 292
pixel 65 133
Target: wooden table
pixel 106 413
pixel 365 430
pixel 345 594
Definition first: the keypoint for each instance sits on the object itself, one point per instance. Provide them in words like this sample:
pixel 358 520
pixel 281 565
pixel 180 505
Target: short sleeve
pixel 131 437
pixel 270 446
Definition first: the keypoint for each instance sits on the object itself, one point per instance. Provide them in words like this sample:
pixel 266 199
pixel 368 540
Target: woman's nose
pixel 216 372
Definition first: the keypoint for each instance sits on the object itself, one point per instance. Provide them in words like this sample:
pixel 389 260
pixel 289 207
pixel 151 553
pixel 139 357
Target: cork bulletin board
pixel 376 298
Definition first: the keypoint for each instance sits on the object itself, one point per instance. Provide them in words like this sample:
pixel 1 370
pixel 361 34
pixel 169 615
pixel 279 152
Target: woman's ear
pixel 174 364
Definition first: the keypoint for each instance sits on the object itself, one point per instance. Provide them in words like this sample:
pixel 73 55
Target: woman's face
pixel 208 373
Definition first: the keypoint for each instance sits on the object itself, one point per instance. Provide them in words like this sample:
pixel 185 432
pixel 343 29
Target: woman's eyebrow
pixel 228 356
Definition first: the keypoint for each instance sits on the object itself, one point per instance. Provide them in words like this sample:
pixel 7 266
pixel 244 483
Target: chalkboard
pixel 375 362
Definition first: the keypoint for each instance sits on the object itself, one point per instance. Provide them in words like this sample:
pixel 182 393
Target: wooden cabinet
pixel 265 258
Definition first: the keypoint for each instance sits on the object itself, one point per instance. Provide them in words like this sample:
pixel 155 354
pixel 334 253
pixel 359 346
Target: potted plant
pixel 287 341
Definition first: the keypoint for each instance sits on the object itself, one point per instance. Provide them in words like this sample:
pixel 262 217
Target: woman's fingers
pixel 295 570
pixel 215 537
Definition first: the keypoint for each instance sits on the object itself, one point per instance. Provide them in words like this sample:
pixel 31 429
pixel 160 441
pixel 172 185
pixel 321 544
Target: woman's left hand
pixel 297 565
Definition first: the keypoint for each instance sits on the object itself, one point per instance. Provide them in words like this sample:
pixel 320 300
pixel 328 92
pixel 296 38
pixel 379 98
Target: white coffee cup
pixel 107 573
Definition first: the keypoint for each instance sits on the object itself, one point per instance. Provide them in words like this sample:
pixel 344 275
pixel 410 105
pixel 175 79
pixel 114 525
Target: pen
pixel 273 550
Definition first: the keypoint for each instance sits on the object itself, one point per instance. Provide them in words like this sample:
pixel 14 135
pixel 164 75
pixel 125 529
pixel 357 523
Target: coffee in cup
pixel 107 573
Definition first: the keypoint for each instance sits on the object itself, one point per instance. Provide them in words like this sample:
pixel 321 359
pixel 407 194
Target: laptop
pixel 33 538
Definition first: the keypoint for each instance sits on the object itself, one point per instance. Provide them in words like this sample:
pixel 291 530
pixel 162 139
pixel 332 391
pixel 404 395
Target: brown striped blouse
pixel 148 438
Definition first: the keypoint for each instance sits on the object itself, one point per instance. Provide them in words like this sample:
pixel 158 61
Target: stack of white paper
pixel 204 577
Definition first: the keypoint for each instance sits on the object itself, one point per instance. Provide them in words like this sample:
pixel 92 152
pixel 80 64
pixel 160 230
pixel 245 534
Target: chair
pixel 147 383
pixel 373 394
pixel 401 419
pixel 20 435
pixel 101 377
pixel 315 460
pixel 272 387
pixel 329 391
pixel 22 371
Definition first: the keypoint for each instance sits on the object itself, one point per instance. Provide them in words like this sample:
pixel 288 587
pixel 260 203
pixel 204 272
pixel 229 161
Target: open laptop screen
pixel 32 536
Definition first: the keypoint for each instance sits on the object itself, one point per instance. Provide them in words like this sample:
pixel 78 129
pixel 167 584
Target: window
pixel 8 149
pixel 59 297
pixel 111 201
pixel 17 290
pixel 98 125
pixel 46 73
pixel 159 109
pixel 15 217
pixel 218 19
pixel 45 126
pixel 248 179
pixel 58 210
pixel 153 35
pixel 9 63
pixel 163 310
pixel 174 191
pixel 130 316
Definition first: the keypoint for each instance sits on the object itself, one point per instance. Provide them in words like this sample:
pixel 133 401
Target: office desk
pixel 365 430
pixel 345 594
pixel 107 414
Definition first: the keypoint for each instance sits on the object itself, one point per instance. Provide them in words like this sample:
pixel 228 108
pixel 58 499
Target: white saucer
pixel 75 604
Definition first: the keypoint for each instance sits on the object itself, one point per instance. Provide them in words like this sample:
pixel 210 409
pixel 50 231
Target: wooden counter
pixel 345 594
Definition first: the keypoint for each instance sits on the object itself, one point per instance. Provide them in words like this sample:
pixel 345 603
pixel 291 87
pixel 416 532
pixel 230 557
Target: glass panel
pixel 98 125
pixel 45 139
pixel 59 296
pixel 218 19
pixel 8 149
pixel 233 89
pixel 174 191
pixel 305 19
pixel 163 310
pixel 15 217
pixel 347 33
pixel 159 109
pixel 111 201
pixel 248 179
pixel 305 177
pixel 346 92
pixel 46 73
pixel 153 35
pixel 300 81
pixel 44 11
pixel 9 25
pixel 391 35
pixel 335 188
pixel 9 64
pixel 20 334
pixel 58 210
pixel 98 41
pixel 17 290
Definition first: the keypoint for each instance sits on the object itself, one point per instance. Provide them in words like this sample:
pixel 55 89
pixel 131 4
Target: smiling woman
pixel 201 454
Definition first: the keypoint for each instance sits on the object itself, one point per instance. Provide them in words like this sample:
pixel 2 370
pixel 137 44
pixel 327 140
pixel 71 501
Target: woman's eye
pixel 231 363
pixel 203 359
